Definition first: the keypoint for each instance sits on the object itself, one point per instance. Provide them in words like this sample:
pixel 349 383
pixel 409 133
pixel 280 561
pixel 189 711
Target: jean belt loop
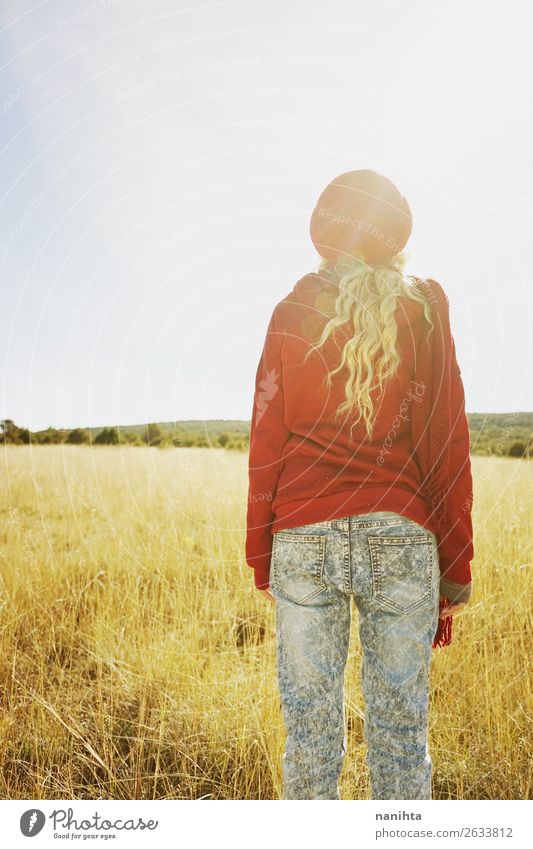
pixel 341 524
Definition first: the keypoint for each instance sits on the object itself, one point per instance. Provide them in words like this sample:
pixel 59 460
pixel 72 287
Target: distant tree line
pixel 500 439
pixel 151 434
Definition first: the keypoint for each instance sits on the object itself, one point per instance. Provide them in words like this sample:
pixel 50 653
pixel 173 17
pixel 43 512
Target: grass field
pixel 138 662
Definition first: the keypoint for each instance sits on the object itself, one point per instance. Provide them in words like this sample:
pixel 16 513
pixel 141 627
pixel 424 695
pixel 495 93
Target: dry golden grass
pixel 138 662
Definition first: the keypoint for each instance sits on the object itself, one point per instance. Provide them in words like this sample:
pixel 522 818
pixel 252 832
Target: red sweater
pixel 303 467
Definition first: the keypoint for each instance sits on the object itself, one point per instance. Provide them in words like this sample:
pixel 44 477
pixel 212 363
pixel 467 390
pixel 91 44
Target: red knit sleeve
pixel 456 547
pixel 268 435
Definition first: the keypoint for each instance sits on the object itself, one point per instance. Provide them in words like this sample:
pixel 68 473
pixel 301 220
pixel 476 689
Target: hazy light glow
pixel 161 162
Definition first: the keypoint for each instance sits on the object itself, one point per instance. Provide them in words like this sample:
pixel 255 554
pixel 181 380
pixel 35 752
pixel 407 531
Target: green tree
pixel 50 436
pixel 223 439
pixel 14 434
pixel 152 434
pixel 517 449
pixel 107 436
pixel 78 436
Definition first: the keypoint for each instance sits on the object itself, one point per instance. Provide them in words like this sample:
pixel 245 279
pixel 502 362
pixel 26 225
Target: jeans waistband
pixel 367 520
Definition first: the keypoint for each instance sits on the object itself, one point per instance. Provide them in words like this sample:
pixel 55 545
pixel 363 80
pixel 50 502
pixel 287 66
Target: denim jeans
pixel 390 565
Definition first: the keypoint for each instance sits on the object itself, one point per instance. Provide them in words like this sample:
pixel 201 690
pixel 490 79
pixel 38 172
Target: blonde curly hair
pixel 365 305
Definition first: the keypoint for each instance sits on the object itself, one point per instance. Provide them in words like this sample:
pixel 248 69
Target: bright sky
pixel 160 161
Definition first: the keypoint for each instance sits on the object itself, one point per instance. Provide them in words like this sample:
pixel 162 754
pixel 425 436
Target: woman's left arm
pixel 456 547
pixel 268 436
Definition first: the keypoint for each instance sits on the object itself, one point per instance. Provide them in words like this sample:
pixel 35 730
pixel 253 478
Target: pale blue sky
pixel 160 162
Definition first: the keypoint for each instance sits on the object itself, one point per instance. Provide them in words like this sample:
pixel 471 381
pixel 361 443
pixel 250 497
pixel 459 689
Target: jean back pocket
pixel 402 569
pixel 297 565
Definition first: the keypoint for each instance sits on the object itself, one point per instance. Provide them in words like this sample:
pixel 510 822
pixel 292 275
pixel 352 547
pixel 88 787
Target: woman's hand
pixel 451 609
pixel 268 595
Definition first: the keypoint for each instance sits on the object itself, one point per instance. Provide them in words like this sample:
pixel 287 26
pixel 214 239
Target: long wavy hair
pixel 364 307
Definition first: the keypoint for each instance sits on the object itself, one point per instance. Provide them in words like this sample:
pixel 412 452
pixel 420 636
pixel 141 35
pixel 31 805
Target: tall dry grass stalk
pixel 138 662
